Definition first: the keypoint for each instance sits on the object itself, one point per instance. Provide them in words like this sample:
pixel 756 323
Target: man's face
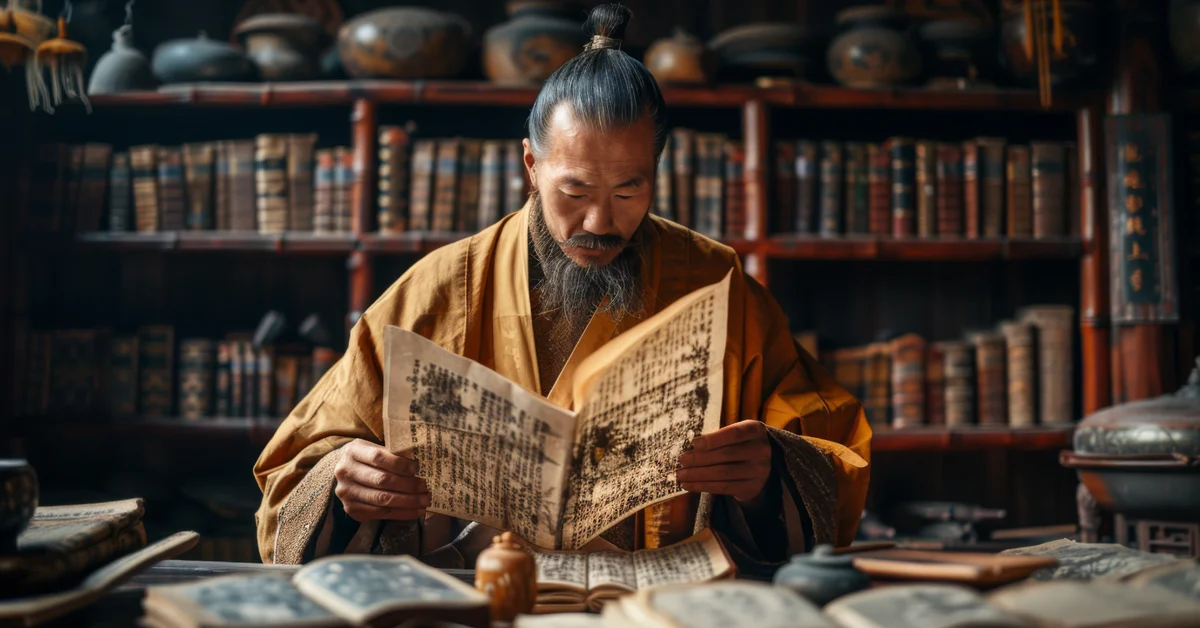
pixel 595 186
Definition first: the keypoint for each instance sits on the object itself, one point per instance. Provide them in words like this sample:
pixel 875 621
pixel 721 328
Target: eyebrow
pixel 629 183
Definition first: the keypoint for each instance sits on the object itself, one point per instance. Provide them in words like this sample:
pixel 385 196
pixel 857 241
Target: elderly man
pixel 534 295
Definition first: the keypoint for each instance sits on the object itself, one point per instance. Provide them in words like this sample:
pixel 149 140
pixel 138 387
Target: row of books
pixel 982 187
pixel 1019 375
pixel 86 371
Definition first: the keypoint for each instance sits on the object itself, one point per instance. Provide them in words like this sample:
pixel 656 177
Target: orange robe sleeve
pixel 799 397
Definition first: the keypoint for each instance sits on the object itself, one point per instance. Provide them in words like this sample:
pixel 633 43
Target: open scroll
pixel 492 452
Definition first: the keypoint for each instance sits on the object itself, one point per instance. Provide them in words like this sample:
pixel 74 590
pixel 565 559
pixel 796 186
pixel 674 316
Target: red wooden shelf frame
pixel 972 439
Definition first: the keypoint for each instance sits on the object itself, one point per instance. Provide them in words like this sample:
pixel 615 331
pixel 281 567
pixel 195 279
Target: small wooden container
pixel 508 575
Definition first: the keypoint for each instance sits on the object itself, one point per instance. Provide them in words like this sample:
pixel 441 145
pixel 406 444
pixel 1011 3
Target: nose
pixel 599 218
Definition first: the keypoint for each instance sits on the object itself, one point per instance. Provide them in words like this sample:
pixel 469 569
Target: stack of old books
pixel 64 543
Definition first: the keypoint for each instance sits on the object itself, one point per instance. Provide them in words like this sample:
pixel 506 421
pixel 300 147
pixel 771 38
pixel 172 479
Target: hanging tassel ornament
pixel 20 33
pixel 1037 45
pixel 1058 30
pixel 65 60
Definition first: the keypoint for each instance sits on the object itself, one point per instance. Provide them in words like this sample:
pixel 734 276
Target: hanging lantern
pixel 20 33
pixel 65 60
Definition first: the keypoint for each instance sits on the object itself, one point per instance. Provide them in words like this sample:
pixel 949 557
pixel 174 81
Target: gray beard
pixel 573 292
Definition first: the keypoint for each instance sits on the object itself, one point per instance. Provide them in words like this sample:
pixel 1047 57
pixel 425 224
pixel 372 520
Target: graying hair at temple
pixel 604 86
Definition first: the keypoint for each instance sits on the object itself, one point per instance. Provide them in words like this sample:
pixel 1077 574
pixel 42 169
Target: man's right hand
pixel 373 483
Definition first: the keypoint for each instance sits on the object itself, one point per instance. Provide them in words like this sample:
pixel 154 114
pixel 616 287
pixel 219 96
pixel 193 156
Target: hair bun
pixel 607 23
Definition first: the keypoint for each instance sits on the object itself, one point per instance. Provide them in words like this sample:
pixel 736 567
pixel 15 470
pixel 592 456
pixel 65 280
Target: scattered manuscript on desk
pixel 497 454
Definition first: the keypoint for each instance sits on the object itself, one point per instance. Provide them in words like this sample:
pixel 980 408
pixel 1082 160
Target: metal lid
pixel 1169 424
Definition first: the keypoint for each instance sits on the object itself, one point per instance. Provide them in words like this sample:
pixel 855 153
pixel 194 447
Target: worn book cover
pixel 573 581
pixel 198 178
pixel 919 606
pixel 726 604
pixel 1076 604
pixel 571 475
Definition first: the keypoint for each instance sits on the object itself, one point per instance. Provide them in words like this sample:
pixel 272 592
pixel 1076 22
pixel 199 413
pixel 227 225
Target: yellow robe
pixel 472 298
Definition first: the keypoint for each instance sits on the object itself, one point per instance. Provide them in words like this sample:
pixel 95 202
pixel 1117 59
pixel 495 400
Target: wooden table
pixel 123 607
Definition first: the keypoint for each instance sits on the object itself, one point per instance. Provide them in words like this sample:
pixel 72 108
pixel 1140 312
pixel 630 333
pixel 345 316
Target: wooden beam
pixel 366 156
pixel 1093 268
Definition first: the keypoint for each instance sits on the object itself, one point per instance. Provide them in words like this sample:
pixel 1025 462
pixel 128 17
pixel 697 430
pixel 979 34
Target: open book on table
pixel 575 581
pixel 493 452
pixel 334 591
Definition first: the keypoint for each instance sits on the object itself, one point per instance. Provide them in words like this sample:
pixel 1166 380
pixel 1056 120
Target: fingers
pixel 741 452
pixel 723 473
pixel 363 503
pixel 373 477
pixel 739 432
pixel 379 457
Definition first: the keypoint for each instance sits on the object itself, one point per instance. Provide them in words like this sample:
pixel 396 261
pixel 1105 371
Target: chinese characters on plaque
pixel 1141 219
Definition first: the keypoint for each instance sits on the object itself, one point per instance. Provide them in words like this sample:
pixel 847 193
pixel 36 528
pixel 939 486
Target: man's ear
pixel 529 163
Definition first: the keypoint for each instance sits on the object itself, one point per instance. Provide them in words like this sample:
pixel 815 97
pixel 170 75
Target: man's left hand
pixel 734 460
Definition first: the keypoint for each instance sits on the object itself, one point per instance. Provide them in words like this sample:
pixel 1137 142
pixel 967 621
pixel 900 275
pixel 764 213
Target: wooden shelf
pixel 931 249
pixel 805 96
pixel 241 429
pixel 234 241
pixel 410 243
pixel 972 439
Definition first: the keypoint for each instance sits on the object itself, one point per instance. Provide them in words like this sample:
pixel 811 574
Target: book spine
pixel 323 191
pixel 223 392
pixel 879 180
pixel 467 215
pixel 119 193
pixel 270 178
pixel 172 202
pixel 393 180
pixel 195 378
pixel 249 406
pixel 343 186
pixel 1071 160
pixel 684 167
pixel 706 212
pixel 904 183
pixel 243 212
pixel 237 380
pixel 735 189
pixel 300 163
pixel 156 360
pixel 446 181
pixel 970 158
pixel 832 182
pixel 908 381
pixel 992 186
pixel 1022 372
pixel 420 201
pixel 93 186
pixel 878 380
pixel 1019 193
pixel 1048 185
pixel 266 383
pixel 516 186
pixel 664 197
pixel 935 384
pixel 959 376
pixel 949 190
pixel 221 186
pixel 991 378
pixel 804 177
pixel 285 385
pixel 491 184
pixel 926 171
pixel 1055 330
pixel 73 360
pixel 144 163
pixel 198 174
pixel 858 189
pixel 123 376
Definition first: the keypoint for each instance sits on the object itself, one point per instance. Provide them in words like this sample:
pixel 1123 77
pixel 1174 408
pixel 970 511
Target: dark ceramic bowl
pixel 17 502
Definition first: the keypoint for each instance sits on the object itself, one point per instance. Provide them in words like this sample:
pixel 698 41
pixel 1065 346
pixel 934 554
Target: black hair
pixel 604 86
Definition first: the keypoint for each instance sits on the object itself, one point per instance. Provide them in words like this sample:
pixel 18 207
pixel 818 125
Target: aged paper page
pixel 610 568
pixel 561 569
pixel 489 450
pixel 697 559
pixel 642 398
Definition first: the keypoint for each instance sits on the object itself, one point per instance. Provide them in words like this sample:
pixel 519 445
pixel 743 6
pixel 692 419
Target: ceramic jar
pixel 875 48
pixel 284 46
pixel 1185 36
pixel 822 576
pixel 18 500
pixel 507 573
pixel 1080 54
pixel 404 43
pixel 679 60
pixel 765 50
pixel 200 59
pixel 122 69
pixel 538 38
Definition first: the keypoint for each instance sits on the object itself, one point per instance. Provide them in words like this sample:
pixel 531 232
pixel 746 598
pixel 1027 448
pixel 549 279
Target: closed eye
pixel 574 195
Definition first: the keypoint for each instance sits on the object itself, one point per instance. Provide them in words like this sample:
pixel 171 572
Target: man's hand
pixel 373 483
pixel 734 460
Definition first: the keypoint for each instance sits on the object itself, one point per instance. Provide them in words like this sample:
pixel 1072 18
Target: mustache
pixel 592 241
